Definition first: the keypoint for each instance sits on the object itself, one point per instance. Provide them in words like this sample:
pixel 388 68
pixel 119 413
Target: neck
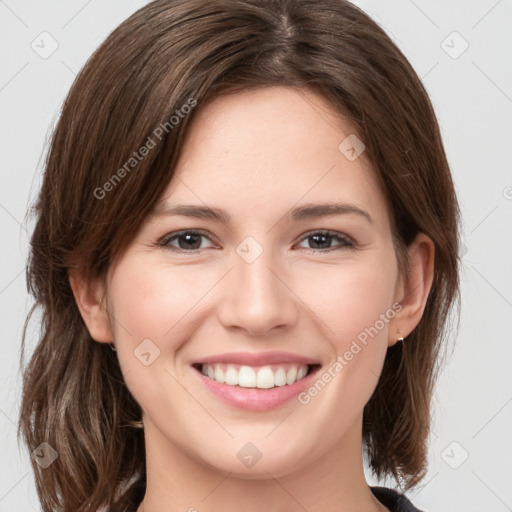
pixel 334 482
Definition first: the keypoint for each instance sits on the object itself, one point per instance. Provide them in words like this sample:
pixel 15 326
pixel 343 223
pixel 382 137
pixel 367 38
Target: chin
pixel 268 462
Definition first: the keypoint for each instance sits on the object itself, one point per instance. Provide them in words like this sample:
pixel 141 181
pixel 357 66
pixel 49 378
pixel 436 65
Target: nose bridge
pixel 258 300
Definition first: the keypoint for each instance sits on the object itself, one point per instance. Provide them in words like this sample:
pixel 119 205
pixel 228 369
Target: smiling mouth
pixel 257 377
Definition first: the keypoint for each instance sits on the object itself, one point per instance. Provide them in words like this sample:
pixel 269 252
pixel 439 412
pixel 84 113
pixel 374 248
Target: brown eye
pixel 187 241
pixel 322 240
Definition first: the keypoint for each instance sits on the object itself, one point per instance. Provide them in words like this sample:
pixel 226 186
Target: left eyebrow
pixel 308 211
pixel 312 210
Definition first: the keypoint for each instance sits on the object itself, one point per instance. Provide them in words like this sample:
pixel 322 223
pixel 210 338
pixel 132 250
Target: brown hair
pixel 166 55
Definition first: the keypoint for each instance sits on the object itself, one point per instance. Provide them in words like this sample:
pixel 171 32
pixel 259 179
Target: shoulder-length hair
pixel 173 53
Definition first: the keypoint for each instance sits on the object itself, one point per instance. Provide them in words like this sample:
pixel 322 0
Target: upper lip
pixel 258 359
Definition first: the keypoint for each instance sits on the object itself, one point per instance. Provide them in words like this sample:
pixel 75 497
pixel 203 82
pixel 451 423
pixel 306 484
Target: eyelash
pixel 345 242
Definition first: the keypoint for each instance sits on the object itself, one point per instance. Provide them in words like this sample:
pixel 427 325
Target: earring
pixel 113 347
pixel 400 338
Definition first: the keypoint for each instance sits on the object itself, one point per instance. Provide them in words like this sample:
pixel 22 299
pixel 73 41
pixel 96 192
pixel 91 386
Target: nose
pixel 257 297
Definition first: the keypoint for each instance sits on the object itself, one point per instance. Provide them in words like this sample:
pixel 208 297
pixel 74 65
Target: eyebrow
pixel 307 211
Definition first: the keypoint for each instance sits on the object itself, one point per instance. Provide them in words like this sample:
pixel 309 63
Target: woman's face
pixel 259 294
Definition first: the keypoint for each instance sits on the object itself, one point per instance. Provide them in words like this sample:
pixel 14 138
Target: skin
pixel 258 154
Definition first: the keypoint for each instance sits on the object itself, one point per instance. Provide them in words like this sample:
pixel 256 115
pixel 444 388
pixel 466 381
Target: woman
pixel 250 203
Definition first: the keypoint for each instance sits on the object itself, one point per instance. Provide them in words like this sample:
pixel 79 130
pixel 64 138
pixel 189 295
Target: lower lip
pixel 255 399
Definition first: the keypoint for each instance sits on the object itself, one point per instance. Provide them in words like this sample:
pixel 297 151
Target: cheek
pixel 351 299
pixel 149 301
pixel 151 307
pixel 355 308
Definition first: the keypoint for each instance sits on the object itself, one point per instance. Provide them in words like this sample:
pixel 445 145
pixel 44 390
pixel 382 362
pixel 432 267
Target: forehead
pixel 271 149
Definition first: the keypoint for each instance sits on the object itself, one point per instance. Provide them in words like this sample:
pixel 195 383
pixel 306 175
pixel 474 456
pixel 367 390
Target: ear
pixel 90 299
pixel 413 290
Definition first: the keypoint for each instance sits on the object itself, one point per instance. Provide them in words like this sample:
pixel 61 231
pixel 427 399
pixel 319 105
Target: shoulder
pixel 393 500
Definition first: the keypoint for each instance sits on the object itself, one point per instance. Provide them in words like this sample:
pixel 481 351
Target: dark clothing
pixel 395 501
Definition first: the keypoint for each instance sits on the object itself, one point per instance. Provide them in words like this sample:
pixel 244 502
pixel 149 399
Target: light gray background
pixel 472 95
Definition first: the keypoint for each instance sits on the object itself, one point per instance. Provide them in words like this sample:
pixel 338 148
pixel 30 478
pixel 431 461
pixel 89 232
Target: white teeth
pixel 218 374
pixel 247 377
pixel 264 377
pixel 291 376
pixel 280 377
pixel 231 376
pixel 302 372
